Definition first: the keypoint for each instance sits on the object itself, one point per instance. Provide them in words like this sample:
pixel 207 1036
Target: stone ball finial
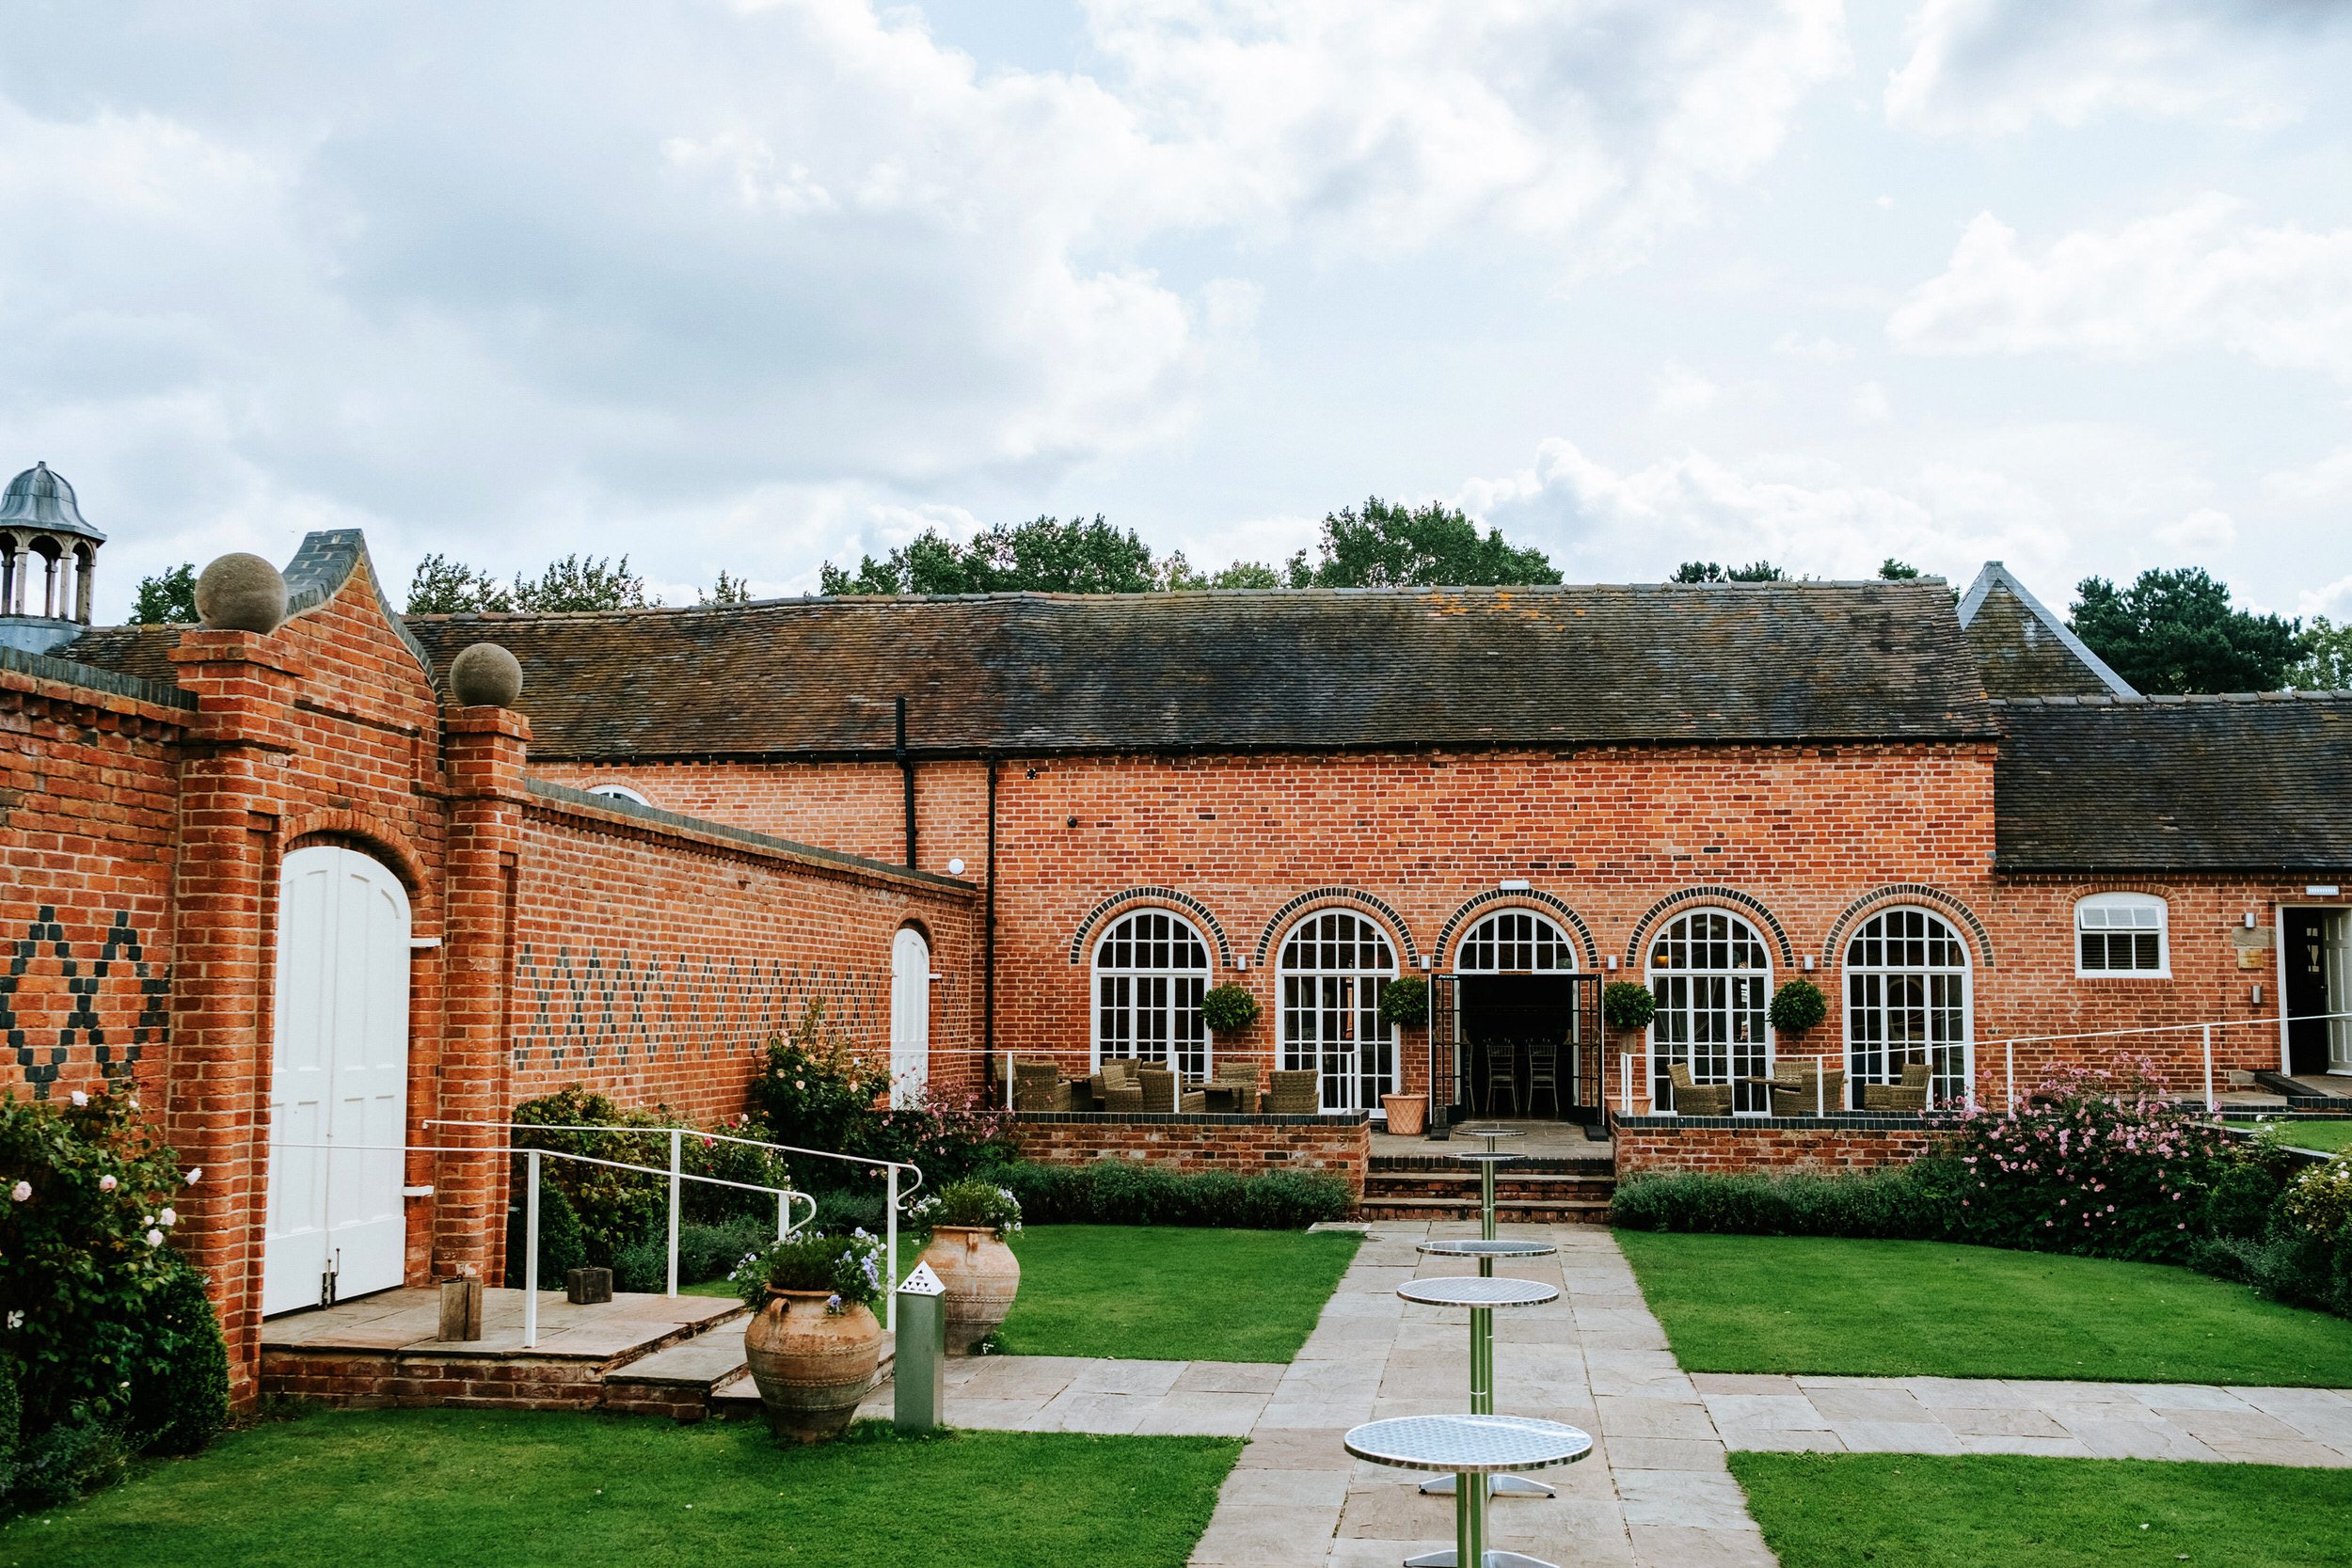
pixel 240 593
pixel 485 675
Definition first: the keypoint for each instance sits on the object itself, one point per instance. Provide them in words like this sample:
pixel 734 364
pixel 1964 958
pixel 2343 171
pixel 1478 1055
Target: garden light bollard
pixel 531 1255
pixel 890 1242
pixel 918 1385
pixel 675 1166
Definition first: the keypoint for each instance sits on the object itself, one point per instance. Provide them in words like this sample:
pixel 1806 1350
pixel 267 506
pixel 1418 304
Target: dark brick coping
pixel 1186 1118
pixel 1847 1121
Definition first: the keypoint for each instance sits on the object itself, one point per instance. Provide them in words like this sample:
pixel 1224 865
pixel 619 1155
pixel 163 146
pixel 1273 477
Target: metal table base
pixel 1485 1249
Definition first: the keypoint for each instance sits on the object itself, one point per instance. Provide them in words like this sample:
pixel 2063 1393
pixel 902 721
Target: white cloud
pixel 2204 529
pixel 1871 405
pixel 2325 482
pixel 2198 277
pixel 1679 389
pixel 1995 67
pixel 1818 349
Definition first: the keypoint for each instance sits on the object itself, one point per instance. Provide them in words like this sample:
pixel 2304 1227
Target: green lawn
pixel 1171 1294
pixel 1787 1304
pixel 1907 1511
pixel 2325 1137
pixel 458 1488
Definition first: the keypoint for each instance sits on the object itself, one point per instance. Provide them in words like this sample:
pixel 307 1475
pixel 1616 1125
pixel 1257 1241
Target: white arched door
pixel 910 1016
pixel 339 1081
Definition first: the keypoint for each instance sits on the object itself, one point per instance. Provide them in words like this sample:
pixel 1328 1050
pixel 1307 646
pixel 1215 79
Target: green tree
pixel 1045 555
pixel 728 590
pixel 1898 571
pixel 2176 632
pixel 1176 574
pixel 1391 545
pixel 1708 571
pixel 578 582
pixel 167 598
pixel 2326 661
pixel 444 587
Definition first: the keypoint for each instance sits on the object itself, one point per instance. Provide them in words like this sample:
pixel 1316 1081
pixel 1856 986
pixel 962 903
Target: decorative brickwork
pixel 1242 1146
pixel 1723 1145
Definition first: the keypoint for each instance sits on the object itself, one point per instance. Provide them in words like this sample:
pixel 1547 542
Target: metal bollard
pixel 919 1375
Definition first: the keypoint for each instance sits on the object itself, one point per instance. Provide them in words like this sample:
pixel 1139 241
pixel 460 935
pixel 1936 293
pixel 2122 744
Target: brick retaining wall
pixel 1243 1144
pixel 1722 1145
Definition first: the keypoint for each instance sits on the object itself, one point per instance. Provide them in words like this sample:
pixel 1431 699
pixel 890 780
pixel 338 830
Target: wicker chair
pixel 1239 1077
pixel 1117 1089
pixel 1038 1087
pixel 1694 1099
pixel 1294 1094
pixel 1794 1094
pixel 1158 1089
pixel 1909 1096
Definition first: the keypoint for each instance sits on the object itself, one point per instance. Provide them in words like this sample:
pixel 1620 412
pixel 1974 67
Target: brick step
pixel 1439 1165
pixel 1516 1188
pixel 1553 1212
pixel 703 1376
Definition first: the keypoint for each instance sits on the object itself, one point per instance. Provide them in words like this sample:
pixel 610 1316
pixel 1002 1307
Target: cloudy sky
pixel 753 285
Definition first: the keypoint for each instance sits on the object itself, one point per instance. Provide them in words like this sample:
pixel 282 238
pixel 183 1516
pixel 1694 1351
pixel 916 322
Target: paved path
pixel 2080 1420
pixel 1067 1393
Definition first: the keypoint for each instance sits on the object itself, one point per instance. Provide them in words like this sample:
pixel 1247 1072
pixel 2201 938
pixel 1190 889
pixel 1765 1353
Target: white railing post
pixel 890 1241
pixel 1821 1088
pixel 784 1216
pixel 677 1150
pixel 2213 1106
pixel 1625 1079
pixel 531 1256
pixel 2008 1053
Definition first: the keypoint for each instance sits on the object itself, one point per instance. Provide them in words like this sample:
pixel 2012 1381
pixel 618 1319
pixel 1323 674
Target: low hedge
pixel 705 1252
pixel 1127 1192
pixel 1901 1203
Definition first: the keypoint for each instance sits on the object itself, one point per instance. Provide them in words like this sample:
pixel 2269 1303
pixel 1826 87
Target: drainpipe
pixel 905 770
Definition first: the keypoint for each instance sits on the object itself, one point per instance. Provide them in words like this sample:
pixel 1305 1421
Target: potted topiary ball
pixel 813 1343
pixel 1628 1005
pixel 969 1221
pixel 1797 1007
pixel 1229 1010
pixel 1404 1005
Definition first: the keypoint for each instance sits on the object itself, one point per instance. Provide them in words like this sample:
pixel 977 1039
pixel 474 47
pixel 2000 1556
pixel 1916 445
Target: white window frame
pixel 619 792
pixel 1943 1087
pixel 2103 905
pixel 1173 989
pixel 1360 1064
pixel 1543 937
pixel 1726 981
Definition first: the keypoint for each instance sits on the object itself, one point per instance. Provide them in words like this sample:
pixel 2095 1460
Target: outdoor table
pixel 1487 1158
pixel 1482 1296
pixel 1471 1448
pixel 1218 1089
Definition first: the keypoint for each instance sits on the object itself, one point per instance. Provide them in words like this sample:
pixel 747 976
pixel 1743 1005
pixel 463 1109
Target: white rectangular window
pixel 2120 933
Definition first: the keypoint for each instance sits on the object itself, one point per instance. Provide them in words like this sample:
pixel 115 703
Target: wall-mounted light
pixel 2319 890
pixel 955 867
pixel 2258 994
pixel 2250 920
pixel 1428 962
pixel 1242 963
pixel 1808 963
pixel 1521 884
pixel 1610 961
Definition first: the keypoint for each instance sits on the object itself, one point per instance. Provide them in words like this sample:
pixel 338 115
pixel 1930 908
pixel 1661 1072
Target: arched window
pixel 618 792
pixel 1515 942
pixel 1713 980
pixel 910 1017
pixel 1907 1003
pixel 2120 933
pixel 1335 963
pixel 1150 970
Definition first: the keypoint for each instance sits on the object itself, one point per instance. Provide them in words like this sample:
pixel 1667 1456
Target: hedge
pixel 1127 1192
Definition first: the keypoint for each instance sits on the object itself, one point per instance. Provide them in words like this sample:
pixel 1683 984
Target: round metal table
pixel 1482 1295
pixel 1472 1448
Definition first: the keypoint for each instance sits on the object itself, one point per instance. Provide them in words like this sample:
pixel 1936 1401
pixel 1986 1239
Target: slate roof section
pixel 141 651
pixel 2175 784
pixel 2026 651
pixel 1036 674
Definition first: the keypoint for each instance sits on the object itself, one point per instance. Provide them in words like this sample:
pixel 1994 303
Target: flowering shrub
pixel 849 1268
pixel 975 1201
pixel 2095 1161
pixel 2319 1201
pixel 107 1327
pixel 615 1209
pixel 812 1089
pixel 943 1138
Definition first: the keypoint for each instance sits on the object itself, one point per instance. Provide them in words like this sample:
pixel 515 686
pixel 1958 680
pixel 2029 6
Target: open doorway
pixel 1524 1049
pixel 2315 956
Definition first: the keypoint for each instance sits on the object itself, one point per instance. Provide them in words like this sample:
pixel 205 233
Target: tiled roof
pixel 2026 651
pixel 2175 784
pixel 1317 668
pixel 141 651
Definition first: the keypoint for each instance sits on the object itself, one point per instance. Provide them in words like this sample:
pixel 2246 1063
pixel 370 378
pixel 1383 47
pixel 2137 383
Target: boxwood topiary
pixel 1229 1008
pixel 1797 1007
pixel 1405 1000
pixel 181 1401
pixel 1628 1005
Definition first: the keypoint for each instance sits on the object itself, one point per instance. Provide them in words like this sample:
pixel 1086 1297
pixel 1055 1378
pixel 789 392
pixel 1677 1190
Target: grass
pixel 2325 1136
pixel 1171 1294
pixel 1907 1511
pixel 1787 1304
pixel 576 1491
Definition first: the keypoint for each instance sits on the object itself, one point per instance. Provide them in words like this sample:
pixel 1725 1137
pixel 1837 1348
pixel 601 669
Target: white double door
pixel 339 1081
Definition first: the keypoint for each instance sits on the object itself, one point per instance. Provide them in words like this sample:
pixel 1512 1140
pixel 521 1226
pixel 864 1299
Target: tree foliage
pixel 2326 661
pixel 1391 545
pixel 728 590
pixel 1708 571
pixel 446 587
pixel 1898 571
pixel 167 598
pixel 2177 632
pixel 1043 555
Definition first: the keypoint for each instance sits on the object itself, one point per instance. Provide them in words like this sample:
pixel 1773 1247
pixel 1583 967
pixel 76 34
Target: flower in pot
pixel 969 1221
pixel 812 1341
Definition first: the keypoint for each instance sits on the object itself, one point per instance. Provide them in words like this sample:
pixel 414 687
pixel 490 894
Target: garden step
pixel 707 1376
pixel 1575 1211
pixel 2309 1092
pixel 1593 1164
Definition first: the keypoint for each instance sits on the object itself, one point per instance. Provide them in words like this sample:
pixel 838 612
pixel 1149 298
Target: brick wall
pixel 1241 1144
pixel 1721 1146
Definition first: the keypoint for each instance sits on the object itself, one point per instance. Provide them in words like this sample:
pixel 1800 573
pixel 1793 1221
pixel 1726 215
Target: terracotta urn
pixel 1406 1112
pixel 812 1365
pixel 982 1276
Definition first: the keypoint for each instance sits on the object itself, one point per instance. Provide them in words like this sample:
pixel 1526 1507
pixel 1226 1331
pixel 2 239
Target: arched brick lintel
pixel 1680 899
pixel 1165 897
pixel 1523 899
pixel 1323 898
pixel 1906 893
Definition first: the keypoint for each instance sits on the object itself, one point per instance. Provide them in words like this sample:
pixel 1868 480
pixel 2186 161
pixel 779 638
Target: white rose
pixel 107 1184
pixel 195 1176
pixel 22 1192
pixel 154 1238
pixel 80 1099
pixel 171 1217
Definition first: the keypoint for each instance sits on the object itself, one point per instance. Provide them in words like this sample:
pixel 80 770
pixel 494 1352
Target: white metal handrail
pixel 784 1197
pixel 892 1201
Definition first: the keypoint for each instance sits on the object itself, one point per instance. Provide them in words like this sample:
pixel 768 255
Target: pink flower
pixel 22 1192
pixel 107 1184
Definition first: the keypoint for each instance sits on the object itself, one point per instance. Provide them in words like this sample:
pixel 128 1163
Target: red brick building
pixel 308 897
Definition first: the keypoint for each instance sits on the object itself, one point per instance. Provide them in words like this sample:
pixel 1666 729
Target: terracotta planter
pixel 1406 1112
pixel 982 1276
pixel 812 1365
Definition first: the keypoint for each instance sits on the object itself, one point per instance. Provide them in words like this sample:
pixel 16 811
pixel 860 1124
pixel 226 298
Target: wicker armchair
pixel 1794 1091
pixel 1909 1096
pixel 1240 1077
pixel 1117 1089
pixel 1158 1089
pixel 1294 1094
pixel 1694 1099
pixel 1040 1086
